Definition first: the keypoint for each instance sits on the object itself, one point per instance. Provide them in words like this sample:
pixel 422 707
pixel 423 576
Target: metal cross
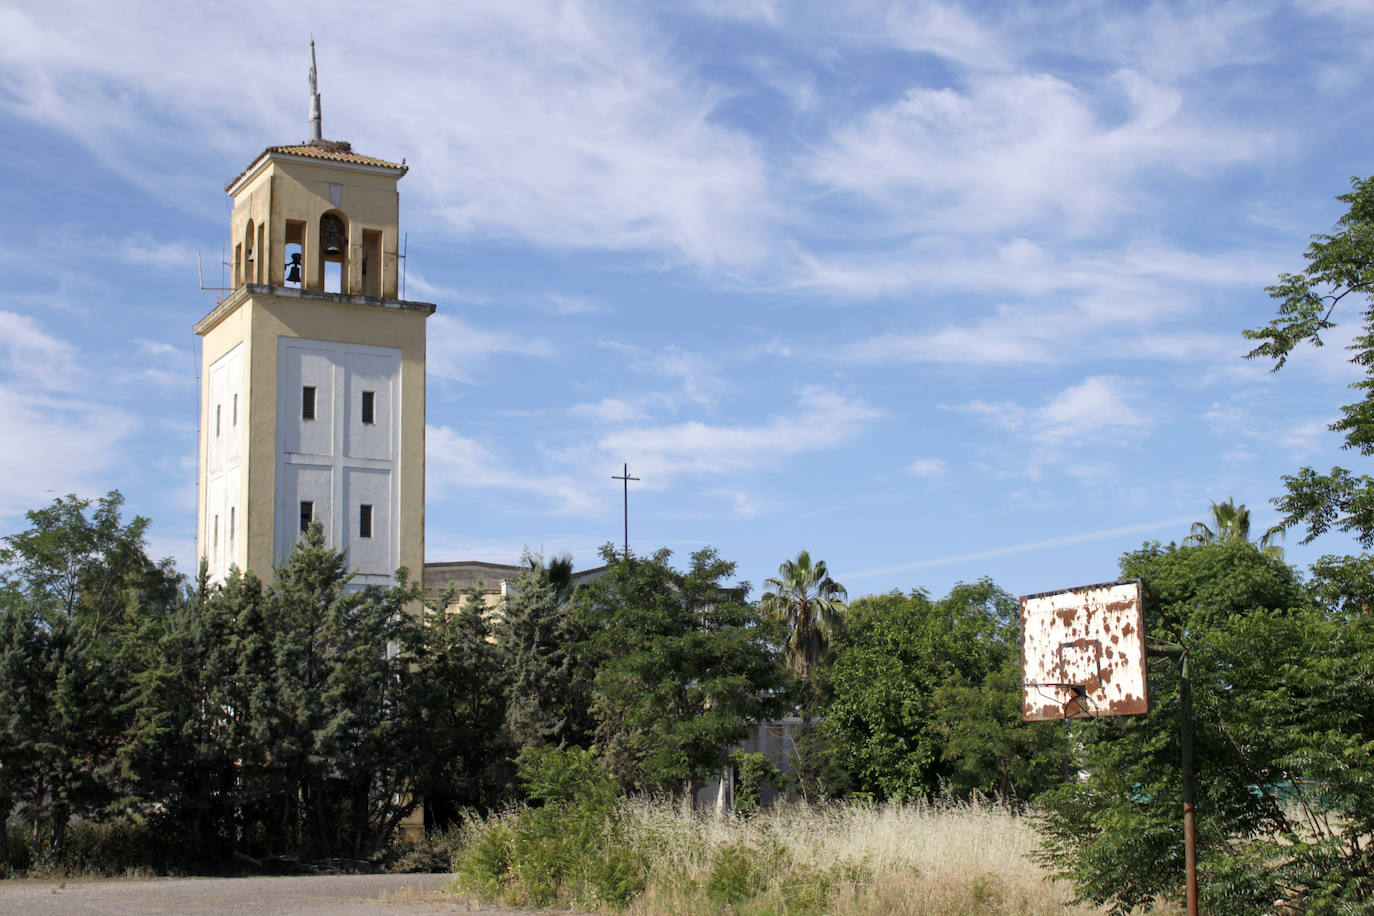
pixel 625 476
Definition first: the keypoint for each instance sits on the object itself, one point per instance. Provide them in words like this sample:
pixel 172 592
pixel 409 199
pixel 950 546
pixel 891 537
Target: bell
pixel 333 231
pixel 293 272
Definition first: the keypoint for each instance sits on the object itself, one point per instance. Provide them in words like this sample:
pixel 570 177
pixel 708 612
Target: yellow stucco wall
pixel 258 316
pixel 282 188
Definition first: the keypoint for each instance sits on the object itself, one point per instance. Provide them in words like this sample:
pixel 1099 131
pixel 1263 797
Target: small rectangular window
pixel 214 539
pixel 308 402
pixel 231 527
pixel 234 421
pixel 307 514
pixel 369 407
pixel 216 421
pixel 365 521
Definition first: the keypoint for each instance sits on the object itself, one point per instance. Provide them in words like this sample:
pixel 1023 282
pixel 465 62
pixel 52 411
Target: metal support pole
pixel 1185 694
pixel 1185 700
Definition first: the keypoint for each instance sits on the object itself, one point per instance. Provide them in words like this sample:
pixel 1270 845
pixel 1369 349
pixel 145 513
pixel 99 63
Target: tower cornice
pixel 238 297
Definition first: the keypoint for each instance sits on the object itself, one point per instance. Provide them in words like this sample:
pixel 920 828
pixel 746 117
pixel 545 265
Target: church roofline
pixel 318 152
pixel 237 297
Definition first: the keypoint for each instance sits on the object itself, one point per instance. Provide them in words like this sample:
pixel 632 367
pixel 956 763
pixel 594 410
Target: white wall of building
pixel 337 461
pixel 225 416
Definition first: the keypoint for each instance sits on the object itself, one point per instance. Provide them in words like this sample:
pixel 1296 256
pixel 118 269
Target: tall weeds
pixel 939 858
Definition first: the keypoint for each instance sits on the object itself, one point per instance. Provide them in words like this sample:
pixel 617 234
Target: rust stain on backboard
pixel 1083 652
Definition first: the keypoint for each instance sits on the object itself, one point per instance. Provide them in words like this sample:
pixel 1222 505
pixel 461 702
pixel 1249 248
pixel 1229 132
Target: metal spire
pixel 314 97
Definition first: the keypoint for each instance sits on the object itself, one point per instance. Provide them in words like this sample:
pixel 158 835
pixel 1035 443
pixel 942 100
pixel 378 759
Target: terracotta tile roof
pixel 328 150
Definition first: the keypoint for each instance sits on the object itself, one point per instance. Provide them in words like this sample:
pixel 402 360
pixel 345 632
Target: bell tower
pixel 312 369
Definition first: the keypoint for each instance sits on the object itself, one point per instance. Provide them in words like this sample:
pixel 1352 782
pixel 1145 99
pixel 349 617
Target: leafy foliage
pixel 811 603
pixel 923 693
pixel 1282 758
pixel 1340 264
pixel 682 666
pixel 1232 522
pixel 77 594
pixel 572 848
pixel 456 710
pixel 546 691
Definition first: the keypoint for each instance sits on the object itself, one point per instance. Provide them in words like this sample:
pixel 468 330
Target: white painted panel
pixel 301 482
pixel 300 365
pixel 232 511
pixel 360 459
pixel 234 416
pixel 213 547
pixel 380 374
pixel 225 378
pixel 214 427
pixel 374 556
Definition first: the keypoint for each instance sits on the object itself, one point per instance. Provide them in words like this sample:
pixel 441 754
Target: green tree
pixel 547 692
pixel 334 768
pixel 1340 265
pixel 683 666
pixel 455 697
pixel 811 603
pixel 1230 521
pixel 77 590
pixel 923 693
pixel 1259 652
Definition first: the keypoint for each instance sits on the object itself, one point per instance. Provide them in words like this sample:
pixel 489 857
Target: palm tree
pixel 811 602
pixel 1232 523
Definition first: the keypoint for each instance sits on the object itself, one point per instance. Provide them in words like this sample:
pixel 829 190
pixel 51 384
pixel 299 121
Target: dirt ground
pixel 335 895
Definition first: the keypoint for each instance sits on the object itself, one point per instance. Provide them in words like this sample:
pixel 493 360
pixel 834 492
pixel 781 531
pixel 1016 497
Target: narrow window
pixel 235 412
pixel 308 402
pixel 214 539
pixel 364 521
pixel 369 407
pixel 231 527
pixel 307 514
pixel 217 421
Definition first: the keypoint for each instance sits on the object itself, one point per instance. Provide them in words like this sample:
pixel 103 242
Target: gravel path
pixel 327 895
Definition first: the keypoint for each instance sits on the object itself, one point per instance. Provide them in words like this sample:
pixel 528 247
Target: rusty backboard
pixel 1083 653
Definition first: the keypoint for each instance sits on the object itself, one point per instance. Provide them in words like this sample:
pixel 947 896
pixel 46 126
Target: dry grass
pixel 942 858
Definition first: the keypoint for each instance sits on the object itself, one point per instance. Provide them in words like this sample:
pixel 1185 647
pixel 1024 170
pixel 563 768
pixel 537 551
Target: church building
pixel 313 369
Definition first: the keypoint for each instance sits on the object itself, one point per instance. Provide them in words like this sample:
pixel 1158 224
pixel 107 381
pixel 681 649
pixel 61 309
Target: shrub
pixel 571 850
pixel 755 772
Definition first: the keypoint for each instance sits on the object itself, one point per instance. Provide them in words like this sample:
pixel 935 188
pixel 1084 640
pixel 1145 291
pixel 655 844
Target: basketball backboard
pixel 1083 653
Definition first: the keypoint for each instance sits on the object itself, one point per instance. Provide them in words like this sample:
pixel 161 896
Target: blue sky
pixel 936 291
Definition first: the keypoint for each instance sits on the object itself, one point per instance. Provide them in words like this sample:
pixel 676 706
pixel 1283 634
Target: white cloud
pixel 743 504
pixel 558 304
pixel 570 125
pixel 820 420
pixel 608 410
pixel 1100 407
pixel 35 359
pixel 55 446
pixel 989 342
pixel 696 373
pixel 144 250
pixel 1021 148
pixel 454 461
pixel 455 347
pixel 928 467
pixel 946 31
